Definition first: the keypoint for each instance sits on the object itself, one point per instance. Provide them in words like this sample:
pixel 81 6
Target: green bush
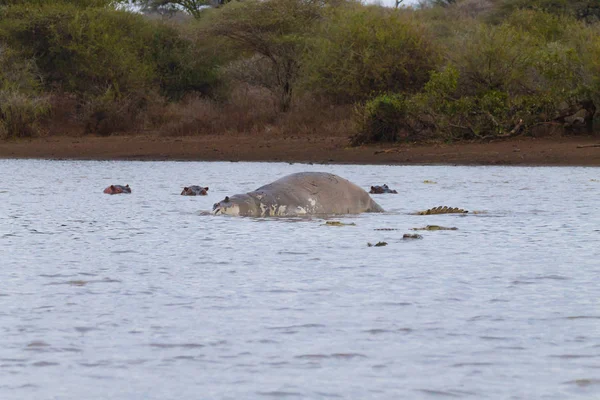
pixel 21 103
pixel 81 50
pixel 381 119
pixel 20 113
pixel 76 3
pixel 360 52
pixel 92 50
pixel 585 10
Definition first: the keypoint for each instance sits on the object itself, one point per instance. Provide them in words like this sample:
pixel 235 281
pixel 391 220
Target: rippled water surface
pixel 145 296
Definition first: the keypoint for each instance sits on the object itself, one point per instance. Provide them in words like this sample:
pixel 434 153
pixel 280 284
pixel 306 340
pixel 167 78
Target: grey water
pixel 148 296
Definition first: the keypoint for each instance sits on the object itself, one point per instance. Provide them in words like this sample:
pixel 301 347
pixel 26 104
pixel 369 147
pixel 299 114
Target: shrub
pixel 20 113
pixel 86 50
pixel 585 10
pixel 273 35
pixel 381 119
pixel 21 105
pixel 363 51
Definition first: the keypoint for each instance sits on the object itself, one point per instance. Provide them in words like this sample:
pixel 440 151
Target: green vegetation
pixel 359 52
pixel 446 70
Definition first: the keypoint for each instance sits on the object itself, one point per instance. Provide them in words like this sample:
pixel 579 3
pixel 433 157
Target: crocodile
pixel 435 228
pixel 442 210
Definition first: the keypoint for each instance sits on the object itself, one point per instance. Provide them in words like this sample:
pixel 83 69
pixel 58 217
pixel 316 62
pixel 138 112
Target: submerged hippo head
pixel 116 189
pixel 240 204
pixel 381 189
pixel 194 191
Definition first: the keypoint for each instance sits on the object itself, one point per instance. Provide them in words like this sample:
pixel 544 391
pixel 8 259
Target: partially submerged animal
pixel 117 189
pixel 442 210
pixel 435 228
pixel 303 193
pixel 194 191
pixel 381 189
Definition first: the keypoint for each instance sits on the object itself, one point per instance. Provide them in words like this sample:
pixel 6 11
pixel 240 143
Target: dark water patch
pixel 36 232
pixel 179 304
pixel 177 345
pixel 499 301
pixel 56 275
pixel 393 304
pixel 573 356
pixel 279 394
pixel 37 344
pixel 275 363
pixel 439 393
pixel 584 382
pixel 297 327
pixel 522 282
pixel 43 308
pixel 552 277
pixel 263 341
pixel 378 331
pixel 335 356
pixel 188 358
pixel 214 297
pixel 81 282
pixel 124 252
pixel 379 366
pixel 472 364
pixel 510 348
pixel 94 364
pixel 329 395
pixel 494 338
pixel 482 318
pixel 85 329
pixel 44 364
pixel 582 317
pixel 277 291
pixel 293 253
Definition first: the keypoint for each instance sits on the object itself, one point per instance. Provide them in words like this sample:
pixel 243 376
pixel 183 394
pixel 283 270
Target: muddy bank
pixel 553 151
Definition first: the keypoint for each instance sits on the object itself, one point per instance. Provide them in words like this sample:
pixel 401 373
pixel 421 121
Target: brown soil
pixel 521 151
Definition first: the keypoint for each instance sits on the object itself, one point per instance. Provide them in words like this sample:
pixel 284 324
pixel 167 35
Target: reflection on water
pixel 148 296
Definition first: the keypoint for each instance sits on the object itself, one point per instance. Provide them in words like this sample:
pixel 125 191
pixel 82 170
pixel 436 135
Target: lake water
pixel 145 296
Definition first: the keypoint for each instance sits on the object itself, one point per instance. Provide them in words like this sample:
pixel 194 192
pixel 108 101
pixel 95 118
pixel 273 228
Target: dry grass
pixel 20 114
pixel 251 110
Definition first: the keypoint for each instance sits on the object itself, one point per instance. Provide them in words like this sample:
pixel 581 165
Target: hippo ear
pixel 226 199
pixel 206 188
pixel 372 187
pixel 127 185
pixel 112 187
pixel 186 189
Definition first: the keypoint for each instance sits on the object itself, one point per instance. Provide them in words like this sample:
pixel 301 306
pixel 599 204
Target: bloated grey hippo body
pixel 303 193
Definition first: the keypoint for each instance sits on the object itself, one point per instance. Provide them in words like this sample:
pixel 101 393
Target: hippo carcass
pixel 303 193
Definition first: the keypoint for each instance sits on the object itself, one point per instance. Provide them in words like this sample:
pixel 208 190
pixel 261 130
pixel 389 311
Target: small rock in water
pixel 378 244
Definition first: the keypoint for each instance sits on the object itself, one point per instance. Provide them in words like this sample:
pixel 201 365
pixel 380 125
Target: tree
pixel 362 51
pixel 76 3
pixel 586 10
pixel 193 7
pixel 273 33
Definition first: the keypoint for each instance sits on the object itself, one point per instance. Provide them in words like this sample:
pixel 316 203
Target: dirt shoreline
pixel 548 151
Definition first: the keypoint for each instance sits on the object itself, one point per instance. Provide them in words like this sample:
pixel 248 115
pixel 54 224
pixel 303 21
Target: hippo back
pixel 315 193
